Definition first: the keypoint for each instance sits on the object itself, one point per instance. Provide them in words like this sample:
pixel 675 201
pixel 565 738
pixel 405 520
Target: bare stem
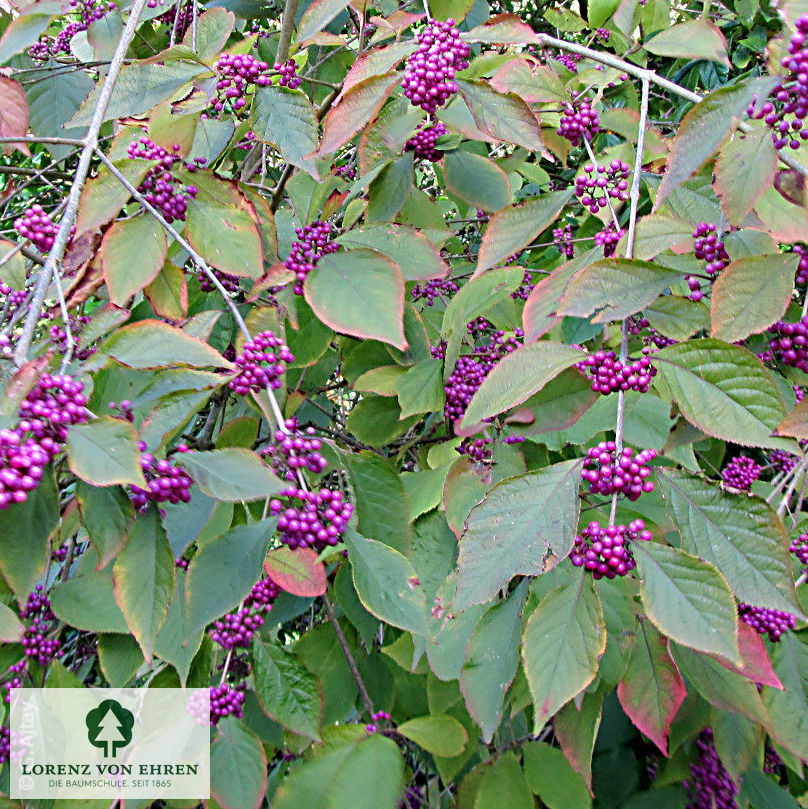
pixel 287 24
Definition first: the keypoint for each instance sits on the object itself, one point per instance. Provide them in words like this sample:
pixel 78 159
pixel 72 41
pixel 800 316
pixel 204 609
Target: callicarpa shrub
pixel 450 357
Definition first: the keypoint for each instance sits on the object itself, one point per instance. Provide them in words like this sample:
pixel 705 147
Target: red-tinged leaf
pixel 577 728
pixel 355 110
pixel 795 424
pixel 696 39
pixel 317 16
pixel 361 293
pixel 13 114
pixel 20 384
pixel 514 227
pixel 503 29
pixel 377 62
pixel 168 294
pixel 462 490
pixel 533 82
pixel 105 452
pixel 539 314
pixel 791 185
pixel 504 117
pixel 744 170
pixel 296 571
pixel 131 255
pixel 705 128
pixel 652 689
pixel 756 664
pixel 781 219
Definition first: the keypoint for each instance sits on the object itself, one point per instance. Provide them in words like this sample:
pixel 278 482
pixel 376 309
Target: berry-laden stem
pixel 608 200
pixel 89 144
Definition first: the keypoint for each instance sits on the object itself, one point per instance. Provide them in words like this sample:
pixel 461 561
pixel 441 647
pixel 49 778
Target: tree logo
pixel 109 726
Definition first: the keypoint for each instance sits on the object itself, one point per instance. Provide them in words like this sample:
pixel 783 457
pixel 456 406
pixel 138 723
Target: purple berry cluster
pixel 471 370
pixel 294 450
pixel 437 288
pixel 89 10
pixel 229 282
pixel 799 547
pixel 227 700
pixel 478 449
pixel 37 226
pixel 429 74
pixel 166 483
pixel 602 35
pixel 310 519
pixel 159 187
pixel 607 551
pixel 707 247
pixel 236 629
pixel 313 241
pixel 787 112
pixel 422 143
pixel 58 337
pixel 569 60
pixel 237 72
pixel 263 361
pixel 801 278
pixel 767 621
pixel 346 171
pixel 45 414
pixel 741 472
pixel 772 760
pixel 609 374
pixel 562 237
pixel 579 120
pixel 608 239
pixel 522 292
pixel 35 641
pixel 608 473
pixel 709 785
pixel 602 183
pixel 789 343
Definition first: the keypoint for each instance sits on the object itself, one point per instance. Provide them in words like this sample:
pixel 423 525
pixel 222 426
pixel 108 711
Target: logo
pixel 109 727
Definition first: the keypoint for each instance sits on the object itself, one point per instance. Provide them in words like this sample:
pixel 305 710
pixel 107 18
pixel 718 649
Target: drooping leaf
pixel 296 570
pixel 551 777
pixel 231 474
pixel 360 293
pixel 174 642
pixel 420 390
pixel 514 227
pixel 750 294
pixel 563 641
pixel 652 689
pixel 755 665
pixel 288 692
pixel 577 728
pixel 11 628
pixel 476 180
pixel 105 452
pixel 237 767
pixel 687 599
pixel 441 735
pixel 144 579
pixel 503 784
pixel 748 545
pixel 317 16
pixel 696 39
pixel 534 83
pixel 13 113
pixel 723 390
pixel 788 709
pixel 87 602
pixel 524 525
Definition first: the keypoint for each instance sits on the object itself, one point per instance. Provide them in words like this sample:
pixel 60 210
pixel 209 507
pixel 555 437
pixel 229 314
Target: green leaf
pixel 533 83
pixel 26 28
pixel 104 195
pixel 224 570
pixel 286 119
pixel 503 784
pixel 152 344
pixel 360 293
pixel 368 774
pixel 141 86
pixel 222 226
pixel 476 180
pixel 564 639
pixel 788 709
pixel 748 545
pixel 551 777
pixel 706 127
pixel 695 39
pixel 11 628
pixel 287 691
pixel 131 255
pixel 174 643
pixel 238 766
pixel 144 579
pixel 724 390
pixel 677 317
pixel 376 421
pixel 516 226
pixel 652 689
pixel 491 662
pixel 576 729
pixel 750 294
pixel 390 190
pixel 88 602
pixel 524 526
pixel 105 452
pixel 26 529
pixel 763 793
pixel 356 109
pixel 615 288
pixel 231 474
pixel 503 117
pixel 387 584
pixel 687 599
pixel 119 657
pixel 439 735
pixel 317 16
pixel 517 377
pixel 744 170
pixel 380 500
pixel 657 233
pixel 420 389
pixel 417 258
pixel 213 29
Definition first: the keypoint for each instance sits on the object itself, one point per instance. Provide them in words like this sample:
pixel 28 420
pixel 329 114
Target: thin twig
pixel 287 24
